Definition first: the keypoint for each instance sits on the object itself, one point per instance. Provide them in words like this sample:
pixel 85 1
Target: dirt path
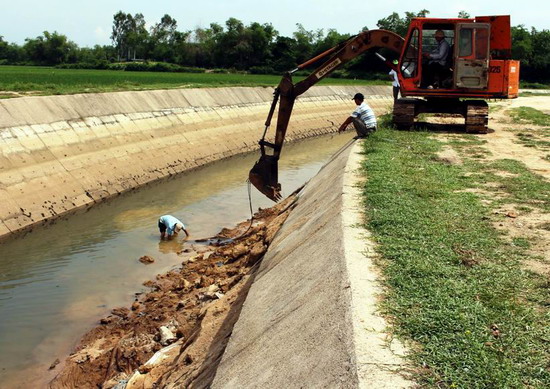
pixel 504 142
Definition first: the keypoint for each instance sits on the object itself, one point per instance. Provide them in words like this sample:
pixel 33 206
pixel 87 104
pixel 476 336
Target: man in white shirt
pixel 437 64
pixel 363 118
pixel 395 81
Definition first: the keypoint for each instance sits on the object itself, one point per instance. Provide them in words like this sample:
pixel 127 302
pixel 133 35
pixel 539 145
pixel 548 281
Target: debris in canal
pixel 146 259
pixel 176 333
pixel 54 364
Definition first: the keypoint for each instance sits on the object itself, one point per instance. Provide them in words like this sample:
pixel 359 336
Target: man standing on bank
pixel 395 81
pixel 169 226
pixel 363 118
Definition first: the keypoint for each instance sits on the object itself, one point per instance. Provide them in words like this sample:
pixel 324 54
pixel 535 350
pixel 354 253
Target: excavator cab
pixel 466 61
pixel 478 66
pixel 478 62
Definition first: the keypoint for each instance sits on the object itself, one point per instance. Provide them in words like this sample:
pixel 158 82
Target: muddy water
pixel 57 281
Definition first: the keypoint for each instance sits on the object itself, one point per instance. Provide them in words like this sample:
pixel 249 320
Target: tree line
pixel 256 48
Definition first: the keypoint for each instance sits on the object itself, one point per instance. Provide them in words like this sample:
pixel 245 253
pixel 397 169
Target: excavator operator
pixel 434 72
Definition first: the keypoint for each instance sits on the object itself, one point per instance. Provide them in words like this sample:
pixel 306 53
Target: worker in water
pixel 363 118
pixel 395 81
pixel 170 226
pixel 437 62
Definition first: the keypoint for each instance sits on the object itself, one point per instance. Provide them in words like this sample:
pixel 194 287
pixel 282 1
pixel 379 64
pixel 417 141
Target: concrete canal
pixel 57 281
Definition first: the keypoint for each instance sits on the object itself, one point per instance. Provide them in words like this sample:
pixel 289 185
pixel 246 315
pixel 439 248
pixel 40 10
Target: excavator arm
pixel 264 174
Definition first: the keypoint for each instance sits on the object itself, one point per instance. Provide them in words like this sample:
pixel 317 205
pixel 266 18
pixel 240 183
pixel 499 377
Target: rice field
pixel 36 80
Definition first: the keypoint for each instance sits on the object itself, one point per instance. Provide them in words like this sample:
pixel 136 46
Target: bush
pixel 153 67
pixel 302 73
pixel 218 71
pixel 137 67
pixel 116 66
pixel 533 85
pixel 338 74
pixel 236 71
pixel 102 64
pixel 262 70
pixel 186 69
pixel 160 67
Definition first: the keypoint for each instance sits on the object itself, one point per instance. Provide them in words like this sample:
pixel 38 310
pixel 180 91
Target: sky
pixel 88 23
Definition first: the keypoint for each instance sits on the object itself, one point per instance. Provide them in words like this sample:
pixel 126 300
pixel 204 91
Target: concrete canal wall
pixel 310 319
pixel 61 153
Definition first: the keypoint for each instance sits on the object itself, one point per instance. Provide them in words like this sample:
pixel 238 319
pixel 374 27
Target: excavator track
pixel 404 113
pixel 477 116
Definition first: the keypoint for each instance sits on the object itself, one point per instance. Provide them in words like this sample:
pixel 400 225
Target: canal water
pixel 57 281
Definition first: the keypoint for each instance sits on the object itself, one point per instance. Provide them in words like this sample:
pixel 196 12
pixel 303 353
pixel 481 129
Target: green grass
pixel 529 115
pixel 531 140
pixel 523 187
pixel 50 81
pixel 495 108
pixel 538 136
pixel 456 288
pixel 521 242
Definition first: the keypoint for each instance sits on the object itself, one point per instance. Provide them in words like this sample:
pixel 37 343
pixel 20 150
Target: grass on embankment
pixel 52 81
pixel 455 287
pixel 530 115
pixel 536 136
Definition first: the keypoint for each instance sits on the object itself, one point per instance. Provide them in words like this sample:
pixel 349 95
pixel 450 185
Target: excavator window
pixel 473 41
pixel 429 43
pixel 465 45
pixel 471 67
pixel 482 43
pixel 437 73
pixel 410 58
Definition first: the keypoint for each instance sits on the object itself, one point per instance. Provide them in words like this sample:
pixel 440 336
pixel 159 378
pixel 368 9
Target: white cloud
pixel 102 35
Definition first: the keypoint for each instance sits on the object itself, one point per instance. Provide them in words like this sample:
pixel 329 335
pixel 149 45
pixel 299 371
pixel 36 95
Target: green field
pixel 37 80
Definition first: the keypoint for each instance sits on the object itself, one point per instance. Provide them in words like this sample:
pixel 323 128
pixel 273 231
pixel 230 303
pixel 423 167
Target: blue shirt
pixel 366 114
pixel 170 222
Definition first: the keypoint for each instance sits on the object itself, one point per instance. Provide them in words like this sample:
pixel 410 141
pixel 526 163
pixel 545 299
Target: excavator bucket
pixel 264 177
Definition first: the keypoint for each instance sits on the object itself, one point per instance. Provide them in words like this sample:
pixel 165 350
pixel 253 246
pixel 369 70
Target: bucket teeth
pixel 264 177
pixel 273 193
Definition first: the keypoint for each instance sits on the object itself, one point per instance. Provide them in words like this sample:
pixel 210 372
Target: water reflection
pixel 175 245
pixel 56 281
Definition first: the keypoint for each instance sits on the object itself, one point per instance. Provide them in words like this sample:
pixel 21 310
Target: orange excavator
pixel 478 66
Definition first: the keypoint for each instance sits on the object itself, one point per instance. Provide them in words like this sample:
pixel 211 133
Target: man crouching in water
pixel 169 226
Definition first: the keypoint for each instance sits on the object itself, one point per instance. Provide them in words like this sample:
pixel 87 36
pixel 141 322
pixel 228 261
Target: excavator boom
pixel 264 174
